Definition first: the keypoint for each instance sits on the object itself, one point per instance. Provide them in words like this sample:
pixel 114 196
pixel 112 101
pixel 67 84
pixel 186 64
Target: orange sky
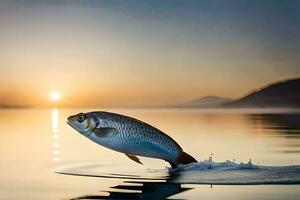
pixel 102 54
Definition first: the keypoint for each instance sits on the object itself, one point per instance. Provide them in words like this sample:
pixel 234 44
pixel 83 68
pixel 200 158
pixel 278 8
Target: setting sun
pixel 55 95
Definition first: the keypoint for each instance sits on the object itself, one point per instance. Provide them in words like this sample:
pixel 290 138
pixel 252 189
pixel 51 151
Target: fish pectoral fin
pixel 104 132
pixel 134 158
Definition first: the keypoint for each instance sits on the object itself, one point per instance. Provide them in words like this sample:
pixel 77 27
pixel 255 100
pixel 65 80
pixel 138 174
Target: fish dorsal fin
pixel 134 158
pixel 105 132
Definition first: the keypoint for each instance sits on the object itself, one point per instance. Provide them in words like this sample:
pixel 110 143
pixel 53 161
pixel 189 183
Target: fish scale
pixel 130 136
pixel 143 137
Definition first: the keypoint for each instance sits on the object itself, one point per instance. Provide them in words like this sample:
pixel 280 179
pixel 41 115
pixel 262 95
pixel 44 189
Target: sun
pixel 55 95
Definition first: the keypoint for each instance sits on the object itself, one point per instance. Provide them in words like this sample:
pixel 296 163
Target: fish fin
pixel 182 159
pixel 134 158
pixel 104 132
pixel 173 165
pixel 185 158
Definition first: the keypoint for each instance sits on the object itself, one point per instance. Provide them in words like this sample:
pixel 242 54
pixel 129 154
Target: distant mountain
pixel 206 102
pixel 282 94
pixel 6 106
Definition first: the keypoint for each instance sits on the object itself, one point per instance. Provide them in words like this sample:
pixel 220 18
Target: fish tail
pixel 182 159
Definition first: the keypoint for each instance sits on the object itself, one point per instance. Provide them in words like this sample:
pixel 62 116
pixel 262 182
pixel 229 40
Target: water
pixel 43 158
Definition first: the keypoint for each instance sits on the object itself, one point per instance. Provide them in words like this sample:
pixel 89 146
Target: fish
pixel 130 136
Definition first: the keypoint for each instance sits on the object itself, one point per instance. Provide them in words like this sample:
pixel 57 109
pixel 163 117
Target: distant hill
pixel 6 106
pixel 282 94
pixel 206 102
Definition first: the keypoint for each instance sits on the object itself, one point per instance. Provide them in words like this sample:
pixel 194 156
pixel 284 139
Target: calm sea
pixel 36 146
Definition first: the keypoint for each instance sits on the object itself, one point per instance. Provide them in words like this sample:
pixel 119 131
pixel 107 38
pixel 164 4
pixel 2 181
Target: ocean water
pixel 243 154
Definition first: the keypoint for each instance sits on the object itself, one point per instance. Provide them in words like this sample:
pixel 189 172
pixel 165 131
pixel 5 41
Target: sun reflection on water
pixel 55 134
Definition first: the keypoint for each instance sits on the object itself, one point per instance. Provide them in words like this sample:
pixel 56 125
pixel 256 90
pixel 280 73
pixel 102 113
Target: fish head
pixel 84 123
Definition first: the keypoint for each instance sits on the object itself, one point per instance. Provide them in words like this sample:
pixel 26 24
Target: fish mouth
pixel 77 128
pixel 68 122
pixel 72 124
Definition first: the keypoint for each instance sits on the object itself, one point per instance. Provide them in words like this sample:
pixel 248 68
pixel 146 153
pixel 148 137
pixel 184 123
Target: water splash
pixel 203 172
pixel 211 165
pixel 230 172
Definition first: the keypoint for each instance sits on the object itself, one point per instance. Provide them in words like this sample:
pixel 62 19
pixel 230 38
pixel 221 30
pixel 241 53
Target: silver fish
pixel 129 136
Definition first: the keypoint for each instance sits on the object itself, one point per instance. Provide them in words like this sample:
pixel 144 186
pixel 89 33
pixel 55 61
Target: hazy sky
pixel 133 53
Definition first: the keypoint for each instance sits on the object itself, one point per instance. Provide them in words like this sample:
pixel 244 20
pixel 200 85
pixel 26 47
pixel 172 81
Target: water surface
pixel 35 144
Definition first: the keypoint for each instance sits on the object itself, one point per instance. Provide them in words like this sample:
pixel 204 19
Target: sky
pixel 144 53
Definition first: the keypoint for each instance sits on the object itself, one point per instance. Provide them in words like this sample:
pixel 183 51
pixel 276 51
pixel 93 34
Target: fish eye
pixel 81 117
